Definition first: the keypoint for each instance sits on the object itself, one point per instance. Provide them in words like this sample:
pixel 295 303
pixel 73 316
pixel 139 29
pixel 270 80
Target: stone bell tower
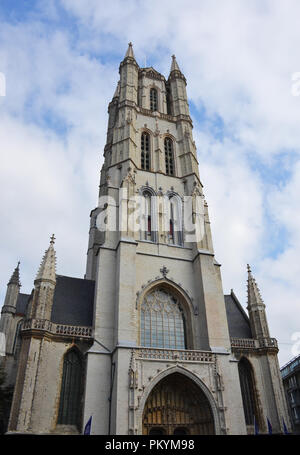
pixel 147 343
pixel 159 319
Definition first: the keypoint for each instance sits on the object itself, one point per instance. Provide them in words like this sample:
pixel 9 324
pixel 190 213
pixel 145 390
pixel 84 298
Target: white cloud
pixel 238 58
pixel 49 178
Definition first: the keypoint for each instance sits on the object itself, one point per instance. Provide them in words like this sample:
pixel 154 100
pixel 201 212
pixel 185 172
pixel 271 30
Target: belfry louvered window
pixel 153 99
pixel 169 156
pixel 71 388
pixel 248 391
pixel 145 151
pixel 162 321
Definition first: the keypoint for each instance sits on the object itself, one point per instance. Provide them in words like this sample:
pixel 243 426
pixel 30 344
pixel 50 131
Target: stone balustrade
pixel 58 329
pixel 245 343
pixel 250 343
pixel 268 343
pixel 174 355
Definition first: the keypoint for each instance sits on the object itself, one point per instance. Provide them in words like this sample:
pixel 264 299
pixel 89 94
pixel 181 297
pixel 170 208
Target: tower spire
pixel 15 278
pixel 174 65
pixel 11 297
pixel 47 270
pixel 129 52
pixel 117 91
pixel 254 296
pixel 256 309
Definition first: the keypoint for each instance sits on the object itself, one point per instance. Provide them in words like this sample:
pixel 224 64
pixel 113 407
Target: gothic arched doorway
pixel 176 405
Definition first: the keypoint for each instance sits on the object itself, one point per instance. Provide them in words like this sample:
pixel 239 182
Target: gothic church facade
pixel 146 343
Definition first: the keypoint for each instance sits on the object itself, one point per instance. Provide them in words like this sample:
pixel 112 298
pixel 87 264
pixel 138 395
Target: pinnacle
pixel 47 270
pixel 174 66
pixel 117 91
pixel 129 52
pixel 254 296
pixel 15 278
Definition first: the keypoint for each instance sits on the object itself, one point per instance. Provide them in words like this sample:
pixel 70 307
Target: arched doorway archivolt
pixel 177 404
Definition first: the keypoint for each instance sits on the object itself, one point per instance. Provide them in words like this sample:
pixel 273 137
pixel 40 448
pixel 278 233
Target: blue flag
pixel 269 426
pixel 256 430
pixel 284 427
pixel 87 428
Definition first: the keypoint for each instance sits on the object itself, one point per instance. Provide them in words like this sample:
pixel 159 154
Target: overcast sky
pixel 60 60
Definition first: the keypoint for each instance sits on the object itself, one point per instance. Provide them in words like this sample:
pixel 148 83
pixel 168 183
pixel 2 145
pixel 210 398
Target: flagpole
pixel 255 426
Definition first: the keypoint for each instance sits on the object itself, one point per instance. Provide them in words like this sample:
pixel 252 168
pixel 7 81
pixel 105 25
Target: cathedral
pixel 146 343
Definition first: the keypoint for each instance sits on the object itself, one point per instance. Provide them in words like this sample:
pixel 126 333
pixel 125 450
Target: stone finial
pixel 174 65
pixel 254 296
pixel 47 270
pixel 117 91
pixel 15 278
pixel 129 52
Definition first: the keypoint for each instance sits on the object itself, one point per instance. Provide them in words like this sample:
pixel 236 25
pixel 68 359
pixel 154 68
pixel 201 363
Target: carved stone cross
pixel 164 271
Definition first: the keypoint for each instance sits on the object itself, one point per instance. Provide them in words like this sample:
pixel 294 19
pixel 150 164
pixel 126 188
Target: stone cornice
pixel 128 61
pixel 155 114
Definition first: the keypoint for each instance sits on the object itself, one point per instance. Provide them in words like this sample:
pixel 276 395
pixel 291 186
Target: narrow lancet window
pixel 248 391
pixel 169 156
pixel 175 220
pixel 71 390
pixel 153 99
pixel 145 151
pixel 147 221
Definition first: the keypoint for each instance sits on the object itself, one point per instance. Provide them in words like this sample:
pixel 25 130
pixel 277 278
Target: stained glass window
pixel 162 321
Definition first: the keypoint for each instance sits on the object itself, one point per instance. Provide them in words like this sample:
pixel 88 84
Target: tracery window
pixel 162 321
pixel 248 391
pixel 169 156
pixel 153 99
pixel 71 389
pixel 145 151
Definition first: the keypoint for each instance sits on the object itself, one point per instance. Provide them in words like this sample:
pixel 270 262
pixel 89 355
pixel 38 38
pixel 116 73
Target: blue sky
pixel 60 59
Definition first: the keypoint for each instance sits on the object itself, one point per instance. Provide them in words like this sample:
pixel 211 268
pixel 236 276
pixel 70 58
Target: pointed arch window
pixel 145 151
pixel 18 340
pixel 162 321
pixel 248 391
pixel 153 99
pixel 175 220
pixel 168 99
pixel 169 156
pixel 71 390
pixel 147 231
